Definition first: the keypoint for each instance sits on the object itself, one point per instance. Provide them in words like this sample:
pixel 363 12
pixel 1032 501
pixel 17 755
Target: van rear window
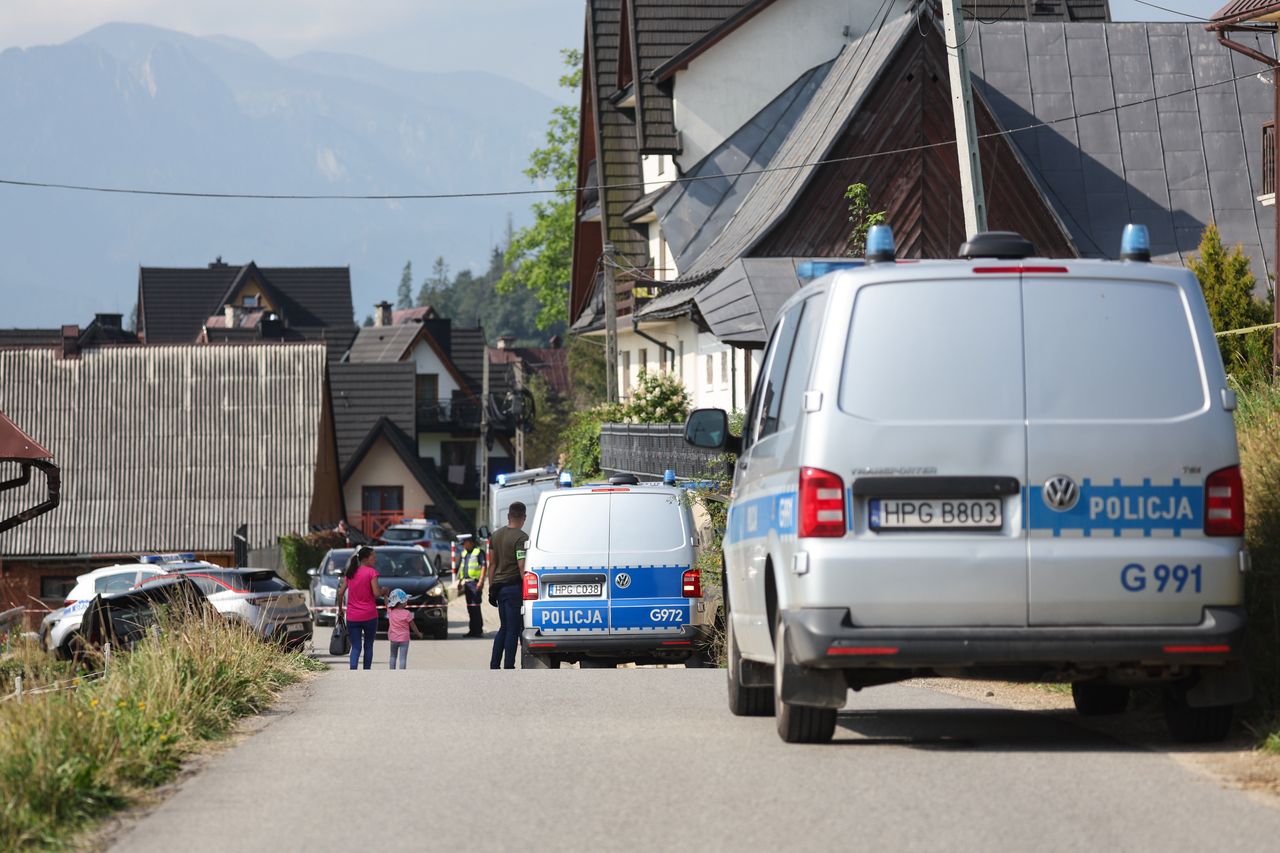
pixel 1110 350
pixel 935 351
pixel 574 524
pixel 646 522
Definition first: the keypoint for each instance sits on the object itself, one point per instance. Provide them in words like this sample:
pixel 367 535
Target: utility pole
pixel 971 194
pixel 484 442
pixel 610 324
pixel 519 409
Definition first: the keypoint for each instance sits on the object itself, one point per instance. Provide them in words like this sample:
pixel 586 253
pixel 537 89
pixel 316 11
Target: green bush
pixel 69 757
pixel 299 553
pixel 1258 426
pixel 659 398
pixel 582 439
pixel 1228 285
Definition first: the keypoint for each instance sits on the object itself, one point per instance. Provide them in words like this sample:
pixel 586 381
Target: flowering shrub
pixel 660 398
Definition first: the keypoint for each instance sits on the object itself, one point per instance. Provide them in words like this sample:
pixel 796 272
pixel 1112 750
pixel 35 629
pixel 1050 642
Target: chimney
pixel 218 264
pixel 232 315
pixel 271 327
pixel 71 341
pixel 108 321
pixel 506 341
pixel 382 314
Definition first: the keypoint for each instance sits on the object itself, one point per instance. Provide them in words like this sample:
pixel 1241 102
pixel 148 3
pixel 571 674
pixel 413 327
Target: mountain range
pixel 135 106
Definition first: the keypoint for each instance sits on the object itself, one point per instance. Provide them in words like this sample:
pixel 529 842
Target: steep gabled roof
pixel 1242 11
pixel 16 444
pixel 426 476
pixel 171 448
pixel 384 344
pixel 365 392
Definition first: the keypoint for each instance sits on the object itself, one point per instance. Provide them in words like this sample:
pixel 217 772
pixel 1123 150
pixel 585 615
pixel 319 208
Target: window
pixel 643 359
pixel 427 387
pixel 626 371
pixel 574 524
pixel 938 351
pixel 797 378
pixel 251 300
pixel 1089 358
pixel 680 358
pixel 711 370
pixel 724 367
pixel 382 498
pixel 775 372
pixel 645 523
pixel 57 587
pixel 117 582
pixel 662 169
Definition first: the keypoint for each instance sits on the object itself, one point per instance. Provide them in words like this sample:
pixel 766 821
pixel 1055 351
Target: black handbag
pixel 339 640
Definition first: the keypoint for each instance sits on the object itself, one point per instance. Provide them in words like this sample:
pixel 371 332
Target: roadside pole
pixel 483 514
pixel 971 193
pixel 519 371
pixel 610 324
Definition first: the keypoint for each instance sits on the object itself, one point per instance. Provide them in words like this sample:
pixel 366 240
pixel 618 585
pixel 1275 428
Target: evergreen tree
pixel 1228 285
pixel 404 294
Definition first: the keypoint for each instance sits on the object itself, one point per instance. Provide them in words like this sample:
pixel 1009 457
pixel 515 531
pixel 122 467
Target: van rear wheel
pixel 797 723
pixel 532 661
pixel 1195 725
pixel 744 701
pixel 1097 699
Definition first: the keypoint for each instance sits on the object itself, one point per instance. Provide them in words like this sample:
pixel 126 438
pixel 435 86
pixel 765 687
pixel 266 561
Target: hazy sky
pixel 519 39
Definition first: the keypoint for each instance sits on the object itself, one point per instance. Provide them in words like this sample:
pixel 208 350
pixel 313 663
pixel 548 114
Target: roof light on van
pixel 502 479
pixel 669 477
pixel 880 246
pixel 184 557
pixel 566 479
pixel 807 271
pixel 1135 243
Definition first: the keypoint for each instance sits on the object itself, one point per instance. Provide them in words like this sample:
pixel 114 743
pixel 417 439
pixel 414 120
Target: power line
pixel 688 179
pixel 1174 11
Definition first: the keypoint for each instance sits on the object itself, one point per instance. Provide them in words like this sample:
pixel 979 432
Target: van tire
pixel 1099 699
pixel 441 633
pixel 1186 724
pixel 532 661
pixel 797 723
pixel 744 701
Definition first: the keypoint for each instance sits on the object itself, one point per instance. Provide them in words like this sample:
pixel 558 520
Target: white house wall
pixel 427 362
pixel 737 77
pixel 727 386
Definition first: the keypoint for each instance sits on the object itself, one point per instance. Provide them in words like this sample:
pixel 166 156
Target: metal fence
pixel 648 450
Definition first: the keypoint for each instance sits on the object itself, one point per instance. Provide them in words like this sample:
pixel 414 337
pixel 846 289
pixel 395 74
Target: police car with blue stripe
pixel 1000 466
pixel 610 578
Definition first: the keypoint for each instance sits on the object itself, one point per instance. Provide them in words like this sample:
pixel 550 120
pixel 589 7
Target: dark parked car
pixel 123 618
pixel 399 567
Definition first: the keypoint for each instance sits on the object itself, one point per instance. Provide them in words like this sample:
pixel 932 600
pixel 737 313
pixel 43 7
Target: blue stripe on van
pixel 1118 507
pixel 760 517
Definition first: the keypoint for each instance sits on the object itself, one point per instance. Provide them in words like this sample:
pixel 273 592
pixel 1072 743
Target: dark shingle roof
pixel 383 343
pixel 740 304
pixel 171 448
pixel 1174 164
pixel 468 353
pixel 30 337
pixel 364 393
pixel 174 303
pixel 1243 10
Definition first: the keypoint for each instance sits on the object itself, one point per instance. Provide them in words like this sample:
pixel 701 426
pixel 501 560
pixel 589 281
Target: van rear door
pixel 650 549
pixel 1125 422
pixel 932 436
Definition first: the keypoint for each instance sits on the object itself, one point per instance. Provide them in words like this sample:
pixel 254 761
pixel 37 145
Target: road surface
pixel 451 756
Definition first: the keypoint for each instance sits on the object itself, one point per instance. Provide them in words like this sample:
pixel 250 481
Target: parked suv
pixel 257 597
pixel 433 538
pixel 406 568
pixel 610 578
pixel 990 467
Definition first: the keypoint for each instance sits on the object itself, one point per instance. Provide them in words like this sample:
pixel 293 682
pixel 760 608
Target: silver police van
pixel 996 467
pixel 610 578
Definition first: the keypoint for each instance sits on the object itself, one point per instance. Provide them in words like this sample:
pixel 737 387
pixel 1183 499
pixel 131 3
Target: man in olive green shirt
pixel 506 568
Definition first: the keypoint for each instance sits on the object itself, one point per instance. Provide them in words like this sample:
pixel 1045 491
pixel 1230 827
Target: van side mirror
pixel 707 428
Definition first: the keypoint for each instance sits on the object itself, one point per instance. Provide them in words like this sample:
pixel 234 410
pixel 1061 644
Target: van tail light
pixel 691 584
pixel 1224 503
pixel 821 503
pixel 530 586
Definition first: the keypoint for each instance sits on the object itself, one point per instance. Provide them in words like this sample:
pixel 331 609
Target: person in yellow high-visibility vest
pixel 471 565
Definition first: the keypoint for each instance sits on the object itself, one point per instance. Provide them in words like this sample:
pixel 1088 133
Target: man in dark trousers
pixel 471 565
pixel 506 568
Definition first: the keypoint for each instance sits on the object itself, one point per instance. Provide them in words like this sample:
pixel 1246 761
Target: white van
pixel 997 467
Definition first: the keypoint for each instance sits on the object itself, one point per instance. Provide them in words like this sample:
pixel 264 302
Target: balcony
pixel 447 413
pixel 1268 196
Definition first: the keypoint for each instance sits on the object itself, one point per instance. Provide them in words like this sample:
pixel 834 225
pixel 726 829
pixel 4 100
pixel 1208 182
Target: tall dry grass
pixel 67 758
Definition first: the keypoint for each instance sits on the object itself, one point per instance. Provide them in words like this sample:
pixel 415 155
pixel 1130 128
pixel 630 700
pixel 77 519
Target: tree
pixel 1228 285
pixel 437 282
pixel 404 294
pixel 540 257
pixel 368 320
pixel 861 218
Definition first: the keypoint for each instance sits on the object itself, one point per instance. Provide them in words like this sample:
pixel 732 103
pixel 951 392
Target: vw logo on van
pixel 1061 493
pixel 622 579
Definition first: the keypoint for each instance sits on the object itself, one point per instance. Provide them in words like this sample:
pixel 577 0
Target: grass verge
pixel 70 757
pixel 1258 427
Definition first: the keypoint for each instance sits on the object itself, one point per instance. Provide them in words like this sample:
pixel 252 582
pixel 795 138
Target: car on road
pixel 398 567
pixel 435 539
pixel 59 630
pixel 610 578
pixel 257 597
pixel 1001 466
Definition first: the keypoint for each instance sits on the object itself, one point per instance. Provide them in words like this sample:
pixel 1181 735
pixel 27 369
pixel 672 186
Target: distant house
pixel 228 303
pixel 103 330
pixel 167 449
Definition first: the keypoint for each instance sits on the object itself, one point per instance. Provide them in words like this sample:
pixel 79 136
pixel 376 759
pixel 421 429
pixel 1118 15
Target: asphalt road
pixel 449 755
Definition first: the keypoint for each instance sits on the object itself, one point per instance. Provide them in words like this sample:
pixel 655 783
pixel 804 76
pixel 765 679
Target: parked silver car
pixel 258 597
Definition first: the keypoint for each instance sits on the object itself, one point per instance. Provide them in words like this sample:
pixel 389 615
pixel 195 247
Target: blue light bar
pixel 566 478
pixel 807 271
pixel 502 479
pixel 669 477
pixel 184 557
pixel 1135 243
pixel 880 247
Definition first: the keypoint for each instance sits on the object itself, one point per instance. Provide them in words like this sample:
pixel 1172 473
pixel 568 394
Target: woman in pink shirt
pixel 359 588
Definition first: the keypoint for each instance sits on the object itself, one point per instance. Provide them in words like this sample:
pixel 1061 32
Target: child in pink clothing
pixel 399 627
